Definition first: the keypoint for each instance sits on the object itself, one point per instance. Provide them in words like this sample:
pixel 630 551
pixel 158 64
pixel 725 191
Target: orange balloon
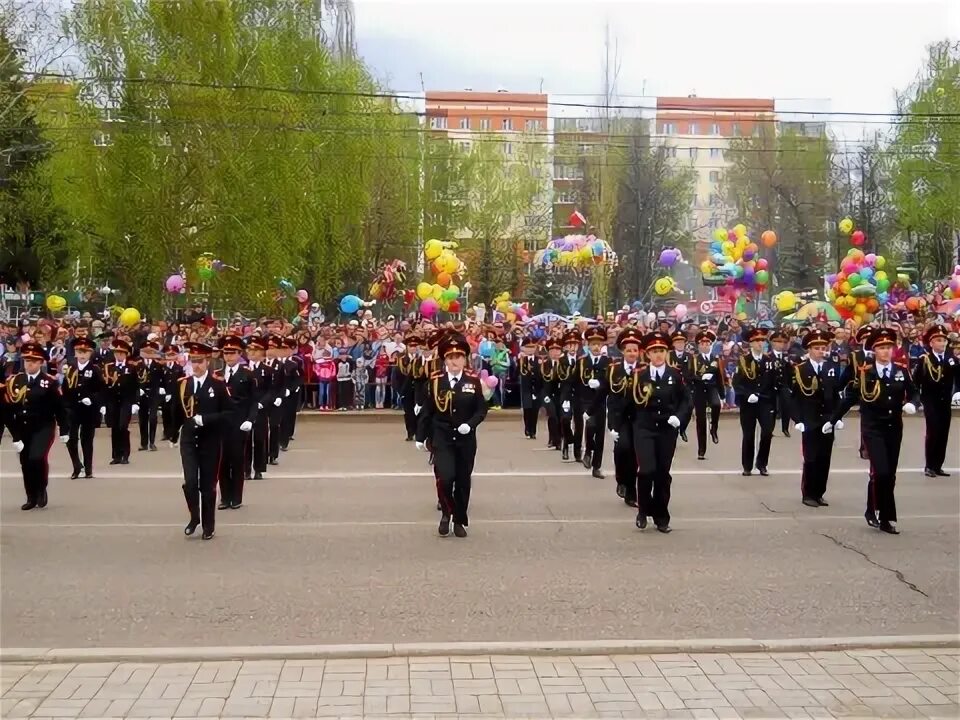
pixel 912 304
pixel 769 238
pixel 872 305
pixel 444 279
pixel 435 268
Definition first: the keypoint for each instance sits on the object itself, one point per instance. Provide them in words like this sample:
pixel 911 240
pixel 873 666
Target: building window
pixel 508 148
pixel 714 200
pixel 671 152
pixel 714 176
pixel 484 123
pixel 438 123
pixel 715 129
pixel 668 128
pixel 716 154
pixel 693 129
pixel 464 145
pixel 735 129
pixel 564 197
pixel 506 124
pixel 584 148
pixel 533 125
pixel 693 153
pixel 464 123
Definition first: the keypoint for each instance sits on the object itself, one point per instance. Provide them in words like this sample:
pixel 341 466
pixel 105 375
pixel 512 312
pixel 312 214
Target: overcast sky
pixel 853 52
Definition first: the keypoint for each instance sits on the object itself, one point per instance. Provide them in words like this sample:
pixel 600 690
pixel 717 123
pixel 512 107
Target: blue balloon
pixel 349 304
pixel 485 349
pixel 866 273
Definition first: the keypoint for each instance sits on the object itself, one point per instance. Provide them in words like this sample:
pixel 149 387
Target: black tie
pixel 886 373
pixel 32 381
pixel 226 377
pixel 453 383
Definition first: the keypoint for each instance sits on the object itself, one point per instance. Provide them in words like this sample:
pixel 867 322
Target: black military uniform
pixel 656 398
pixel 104 354
pixel 263 398
pixel 278 390
pixel 236 424
pixel 82 388
pixel 785 368
pixel 455 408
pixel 528 367
pixel 430 366
pixel 938 379
pixel 587 394
pixel 410 369
pixel 883 394
pixel 293 390
pixel 35 409
pixel 815 392
pixel 679 360
pixel 755 384
pixel 571 421
pixel 860 358
pixel 172 372
pixel 203 403
pixel 550 395
pixel 705 377
pixel 150 377
pixel 121 390
pixel 620 417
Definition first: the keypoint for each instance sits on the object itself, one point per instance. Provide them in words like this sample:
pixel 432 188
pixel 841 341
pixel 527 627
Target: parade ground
pixel 339 545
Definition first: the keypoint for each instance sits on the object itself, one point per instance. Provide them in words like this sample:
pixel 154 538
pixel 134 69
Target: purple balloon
pixel 748 276
pixel 175 283
pixel 668 257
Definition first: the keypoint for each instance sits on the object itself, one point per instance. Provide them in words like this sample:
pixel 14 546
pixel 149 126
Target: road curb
pixel 563 647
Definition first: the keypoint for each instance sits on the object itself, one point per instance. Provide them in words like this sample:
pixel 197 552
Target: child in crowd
pixel 381 374
pixel 360 378
pixel 326 371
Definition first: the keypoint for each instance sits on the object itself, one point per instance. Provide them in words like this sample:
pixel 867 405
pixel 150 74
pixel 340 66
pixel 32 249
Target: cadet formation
pixel 232 425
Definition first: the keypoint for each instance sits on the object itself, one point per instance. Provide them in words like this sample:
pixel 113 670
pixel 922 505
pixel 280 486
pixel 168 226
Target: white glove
pixel 753 399
pixel 103 410
pixel 956 398
pixel 800 427
pixel 707 377
pixel 615 435
pixel 287 394
pixel 546 399
pixel 278 402
pixel 87 402
pixel 533 397
pixel 246 426
pixel 417 409
pixel 198 420
pixel 163 392
pixel 673 421
pixel 18 445
pixel 64 439
pixel 464 429
pixel 593 383
pixel 259 406
pixel 167 398
pixel 142 392
pixel 827 428
pixel 421 446
pixel 134 409
pixel 586 417
pixel 838 425
pixel 910 409
pixel 566 406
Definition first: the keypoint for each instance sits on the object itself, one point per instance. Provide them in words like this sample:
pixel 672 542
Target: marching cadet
pixel 778 351
pixel 263 398
pixel 35 410
pixel 104 353
pixel 82 386
pixel 620 414
pixel 816 384
pixel 150 378
pixel 202 402
pixel 859 358
pixel 410 369
pixel 237 422
pixel 431 364
pixel 121 383
pixel 571 422
pixel 455 408
pixel 755 385
pixel 172 372
pixel 530 381
pixel 278 386
pixel 679 359
pixel 588 395
pixel 705 377
pixel 550 392
pixel 884 391
pixel 293 387
pixel 656 398
pixel 938 379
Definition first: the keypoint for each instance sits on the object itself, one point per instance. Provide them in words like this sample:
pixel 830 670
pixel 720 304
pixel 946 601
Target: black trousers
pixel 552 411
pixel 288 421
pixel 148 420
pixel 817 451
pixel 530 415
pixel 170 430
pixel 594 431
pixel 572 423
pixel 260 443
pixel 936 415
pixel 700 404
pixel 882 442
pixel 201 459
pixel 233 462
pixel 83 427
pixel 783 408
pixel 33 462
pixel 625 465
pixel 276 431
pixel 453 464
pixel 120 431
pixel 655 448
pixel 762 413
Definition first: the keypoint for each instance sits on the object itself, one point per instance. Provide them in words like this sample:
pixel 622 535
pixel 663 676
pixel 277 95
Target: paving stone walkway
pixel 863 684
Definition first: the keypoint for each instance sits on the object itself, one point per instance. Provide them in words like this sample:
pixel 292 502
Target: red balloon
pixel 454 306
pixel 762 264
pixel 858 238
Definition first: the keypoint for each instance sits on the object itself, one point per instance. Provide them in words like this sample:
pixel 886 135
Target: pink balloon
pixel 492 381
pixel 680 311
pixel 483 374
pixel 429 307
pixel 303 295
pixel 174 284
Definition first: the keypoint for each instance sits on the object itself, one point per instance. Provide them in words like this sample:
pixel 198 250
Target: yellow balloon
pixel 707 267
pixel 881 274
pixel 727 247
pixel 851 301
pixel 663 286
pixel 503 306
pixel 739 229
pixel 432 249
pixel 846 226
pixel 423 290
pixel 831 295
pixel 130 317
pixel 56 303
pixel 448 262
pixel 859 309
pixel 845 288
pixel 785 301
pixel 436 291
pixel 511 317
pixel 880 262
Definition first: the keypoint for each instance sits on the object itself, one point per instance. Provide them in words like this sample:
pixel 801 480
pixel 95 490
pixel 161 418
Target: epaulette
pixel 436 374
pixel 181 379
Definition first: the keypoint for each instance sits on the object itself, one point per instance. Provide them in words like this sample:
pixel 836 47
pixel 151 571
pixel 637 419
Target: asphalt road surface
pixel 339 545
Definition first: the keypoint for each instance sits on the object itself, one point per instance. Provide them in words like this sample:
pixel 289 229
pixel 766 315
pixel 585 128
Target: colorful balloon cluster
pixel 862 287
pixel 857 237
pixel 208 266
pixel 443 293
pixel 510 310
pixel 575 252
pixel 389 275
pixel 952 289
pixel 736 259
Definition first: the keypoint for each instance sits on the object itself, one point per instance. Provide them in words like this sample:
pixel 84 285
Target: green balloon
pixel 762 277
pixel 883 285
pixel 206 273
pixel 854 280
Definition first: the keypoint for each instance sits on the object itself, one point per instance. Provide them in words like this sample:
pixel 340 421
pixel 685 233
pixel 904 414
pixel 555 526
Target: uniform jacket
pixel 212 402
pixel 242 406
pixel 881 401
pixel 756 377
pixel 32 409
pixel 447 409
pixel 814 400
